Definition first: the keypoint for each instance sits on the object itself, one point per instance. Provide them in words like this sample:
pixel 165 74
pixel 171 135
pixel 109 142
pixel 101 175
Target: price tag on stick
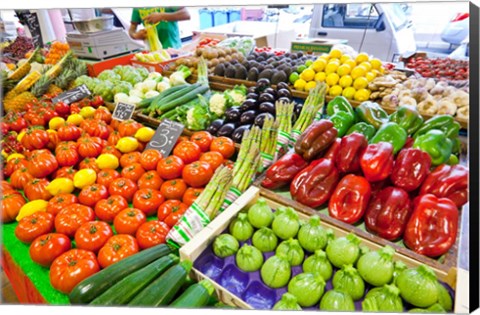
pixel 71 96
pixel 165 136
pixel 123 111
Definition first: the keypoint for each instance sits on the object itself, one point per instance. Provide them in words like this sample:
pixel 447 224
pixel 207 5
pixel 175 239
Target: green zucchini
pixel 145 102
pixel 162 290
pixel 173 96
pixel 197 295
pixel 123 291
pixel 174 91
pixel 165 107
pixel 93 286
pixel 168 114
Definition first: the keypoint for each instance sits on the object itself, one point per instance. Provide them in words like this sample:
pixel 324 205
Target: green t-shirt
pixel 168 32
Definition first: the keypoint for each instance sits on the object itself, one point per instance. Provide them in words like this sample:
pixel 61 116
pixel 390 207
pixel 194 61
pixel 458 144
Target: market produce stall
pixel 232 176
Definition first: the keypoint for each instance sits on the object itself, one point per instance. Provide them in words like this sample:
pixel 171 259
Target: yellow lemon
pixel 75 119
pixel 4 154
pixel 332 79
pixel 366 65
pixel 310 85
pixel 144 134
pixel 319 65
pixel 343 70
pixel 344 58
pixel 56 122
pixel 15 156
pixel 349 92
pixel 361 57
pixel 20 135
pixel 361 95
pixel 32 207
pixel 360 83
pixel 300 84
pixel 307 74
pixel 127 144
pixel 107 161
pixel 87 112
pixel 376 63
pixel 382 70
pixel 335 53
pixel 345 81
pixel 320 76
pixel 335 60
pixel 84 177
pixel 332 67
pixel 351 63
pixel 358 71
pixel 370 76
pixel 60 186
pixel 335 90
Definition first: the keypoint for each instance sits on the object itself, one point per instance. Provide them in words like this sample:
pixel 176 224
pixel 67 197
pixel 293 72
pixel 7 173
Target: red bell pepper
pixel 411 168
pixel 432 228
pixel 448 181
pixel 316 138
pixel 282 172
pixel 388 213
pixel 377 161
pixel 351 149
pixel 350 199
pixel 332 151
pixel 314 185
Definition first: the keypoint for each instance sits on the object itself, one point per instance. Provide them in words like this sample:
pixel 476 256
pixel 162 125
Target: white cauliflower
pixel 217 104
pixel 120 98
pixel 237 97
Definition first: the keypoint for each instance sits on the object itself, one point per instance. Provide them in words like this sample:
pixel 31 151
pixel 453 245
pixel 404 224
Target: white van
pixel 382 30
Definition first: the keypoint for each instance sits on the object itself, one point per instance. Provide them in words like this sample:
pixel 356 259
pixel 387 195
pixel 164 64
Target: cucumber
pixel 173 96
pixel 168 114
pixel 163 289
pixel 123 291
pixel 165 107
pixel 174 91
pixel 91 287
pixel 145 102
pixel 197 295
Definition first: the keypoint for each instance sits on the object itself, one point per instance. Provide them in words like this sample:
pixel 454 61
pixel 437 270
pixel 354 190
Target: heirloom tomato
pixel 117 247
pixel 92 194
pixel 45 248
pixel 107 209
pixel 124 187
pixel 173 189
pixel 150 179
pixel 72 217
pixel 93 235
pixel 59 202
pixel 128 220
pixel 34 225
pixel 171 211
pixel 170 167
pixel 151 233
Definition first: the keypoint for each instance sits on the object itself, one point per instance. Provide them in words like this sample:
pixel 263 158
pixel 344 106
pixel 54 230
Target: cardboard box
pixel 315 46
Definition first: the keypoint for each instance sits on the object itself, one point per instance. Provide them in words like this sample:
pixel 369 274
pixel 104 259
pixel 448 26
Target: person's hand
pixel 153 18
pixel 141 34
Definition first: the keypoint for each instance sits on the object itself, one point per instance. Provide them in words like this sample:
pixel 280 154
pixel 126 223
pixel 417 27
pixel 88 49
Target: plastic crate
pixel 206 18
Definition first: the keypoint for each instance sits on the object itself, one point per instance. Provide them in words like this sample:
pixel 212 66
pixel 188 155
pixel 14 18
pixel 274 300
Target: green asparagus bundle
pixel 212 196
pixel 284 120
pixel 269 137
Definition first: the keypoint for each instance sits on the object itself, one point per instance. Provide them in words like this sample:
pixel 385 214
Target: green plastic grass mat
pixel 37 274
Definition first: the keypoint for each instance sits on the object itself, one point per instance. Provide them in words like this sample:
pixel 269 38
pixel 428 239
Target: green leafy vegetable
pixel 122 87
pixel 335 300
pixel 308 288
pixel 312 235
pixel 265 240
pixel 418 286
pixel 383 299
pixel 276 272
pixel 348 280
pixel 292 251
pixel 249 258
pixel 343 250
pixel 288 302
pixel 240 228
pixel 376 267
pixel 318 263
pixel 225 245
pixel 286 223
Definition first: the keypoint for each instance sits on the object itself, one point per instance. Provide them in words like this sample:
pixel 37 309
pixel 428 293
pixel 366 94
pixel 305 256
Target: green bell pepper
pixel 408 118
pixel 342 121
pixel 340 104
pixel 365 129
pixel 393 133
pixel 445 123
pixel 372 114
pixel 436 144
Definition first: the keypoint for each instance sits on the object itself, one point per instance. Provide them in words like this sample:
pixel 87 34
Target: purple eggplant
pixel 249 104
pixel 233 114
pixel 215 126
pixel 267 107
pixel 284 93
pixel 260 119
pixel 226 130
pixel 238 133
pixel 248 117
pixel 266 97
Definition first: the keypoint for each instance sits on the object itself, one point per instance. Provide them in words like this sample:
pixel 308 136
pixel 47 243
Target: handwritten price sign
pixel 123 111
pixel 165 136
pixel 71 96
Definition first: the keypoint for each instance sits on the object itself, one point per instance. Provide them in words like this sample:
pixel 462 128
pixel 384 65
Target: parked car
pixel 457 29
pixel 383 30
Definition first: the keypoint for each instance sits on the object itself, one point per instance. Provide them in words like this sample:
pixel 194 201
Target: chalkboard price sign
pixel 123 111
pixel 73 95
pixel 165 136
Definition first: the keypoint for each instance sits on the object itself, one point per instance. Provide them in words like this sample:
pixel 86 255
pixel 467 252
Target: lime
pixel 301 68
pixel 308 63
pixel 293 77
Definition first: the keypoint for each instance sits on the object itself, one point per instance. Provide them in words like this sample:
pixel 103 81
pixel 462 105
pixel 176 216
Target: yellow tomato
pixel 127 144
pixel 84 177
pixel 56 122
pixel 107 161
pixel 60 186
pixel 31 207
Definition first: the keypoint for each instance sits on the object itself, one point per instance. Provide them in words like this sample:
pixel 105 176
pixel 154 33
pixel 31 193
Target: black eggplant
pixel 284 93
pixel 284 100
pixel 297 109
pixel 270 90
pixel 260 119
pixel 282 85
pixel 237 134
pixel 252 96
pixel 262 84
pixel 248 117
pixel 233 114
pixel 252 89
pixel 249 104
pixel 267 107
pixel 266 97
pixel 226 130
pixel 215 126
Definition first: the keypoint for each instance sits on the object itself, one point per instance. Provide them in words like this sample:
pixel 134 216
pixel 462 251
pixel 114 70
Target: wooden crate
pixel 193 249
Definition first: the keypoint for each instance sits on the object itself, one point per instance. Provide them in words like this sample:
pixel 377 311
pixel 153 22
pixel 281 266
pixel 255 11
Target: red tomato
pixel 66 155
pixel 117 247
pixel 90 163
pixel 97 101
pixel 20 177
pixel 113 137
pixel 71 267
pixel 130 158
pixel 34 225
pixel 148 200
pixel 13 165
pixel 214 158
pixel 18 124
pixel 69 132
pixel 173 189
pixel 171 211
pixel 150 179
pixel 151 233
pixel 224 145
pixel 72 217
pixel 197 174
pixel 65 172
pixel 37 189
pixel 92 194
pixel 10 206
pixel 97 128
pixel 111 149
pixel 191 194
pixel 106 176
pixel 124 187
pixel 89 146
pixel 133 171
pixel 203 139
pixel 35 139
pixel 150 158
pixel 59 202
pixel 128 220
pixel 93 235
pixel 107 209
pixel 62 109
pixel 170 167
pixel 47 247
pixel 103 114
pixel 181 139
pixel 42 163
pixel 188 151
pixel 128 128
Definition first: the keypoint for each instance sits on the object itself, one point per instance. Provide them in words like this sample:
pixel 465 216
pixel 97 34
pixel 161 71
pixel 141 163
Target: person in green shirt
pixel 167 27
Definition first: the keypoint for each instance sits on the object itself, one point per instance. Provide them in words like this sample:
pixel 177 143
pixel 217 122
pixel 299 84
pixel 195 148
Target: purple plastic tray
pixel 249 286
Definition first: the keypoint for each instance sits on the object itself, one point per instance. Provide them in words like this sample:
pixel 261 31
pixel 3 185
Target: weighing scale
pixel 103 44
